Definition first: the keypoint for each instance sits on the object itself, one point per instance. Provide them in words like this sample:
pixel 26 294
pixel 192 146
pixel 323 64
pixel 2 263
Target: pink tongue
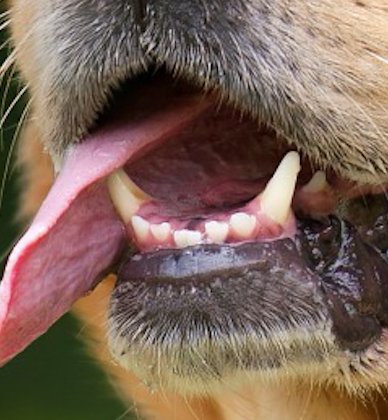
pixel 76 235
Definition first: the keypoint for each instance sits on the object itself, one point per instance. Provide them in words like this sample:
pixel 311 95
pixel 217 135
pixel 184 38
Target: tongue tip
pixel 15 324
pixel 51 267
pixel 76 234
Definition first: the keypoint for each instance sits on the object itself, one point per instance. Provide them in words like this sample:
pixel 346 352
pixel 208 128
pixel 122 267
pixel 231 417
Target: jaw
pixel 270 398
pixel 370 372
pixel 288 315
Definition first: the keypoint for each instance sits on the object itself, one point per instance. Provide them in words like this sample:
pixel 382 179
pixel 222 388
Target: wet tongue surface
pixel 76 235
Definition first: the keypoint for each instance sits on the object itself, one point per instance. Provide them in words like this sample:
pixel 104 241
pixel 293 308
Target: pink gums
pixel 265 228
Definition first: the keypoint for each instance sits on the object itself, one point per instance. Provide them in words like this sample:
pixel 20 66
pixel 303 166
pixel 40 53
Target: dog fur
pixel 321 71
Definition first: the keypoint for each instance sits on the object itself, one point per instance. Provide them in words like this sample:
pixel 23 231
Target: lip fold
pixel 76 235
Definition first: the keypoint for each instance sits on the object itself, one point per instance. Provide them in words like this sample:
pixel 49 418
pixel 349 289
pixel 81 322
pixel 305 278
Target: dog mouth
pixel 220 227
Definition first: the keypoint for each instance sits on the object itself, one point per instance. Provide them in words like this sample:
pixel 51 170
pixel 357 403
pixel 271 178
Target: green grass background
pixel 54 379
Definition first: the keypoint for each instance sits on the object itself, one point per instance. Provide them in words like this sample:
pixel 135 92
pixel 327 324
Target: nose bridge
pixel 187 24
pixel 184 16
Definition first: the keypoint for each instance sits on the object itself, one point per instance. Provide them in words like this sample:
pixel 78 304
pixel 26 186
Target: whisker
pixel 5 16
pixel 8 161
pixel 5 44
pixel 12 106
pixel 127 414
pixel 11 59
pixel 6 252
pixel 378 57
pixel 5 13
pixel 5 24
pixel 8 63
pixel 4 99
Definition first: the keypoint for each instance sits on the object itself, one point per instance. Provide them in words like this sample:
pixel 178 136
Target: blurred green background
pixel 54 379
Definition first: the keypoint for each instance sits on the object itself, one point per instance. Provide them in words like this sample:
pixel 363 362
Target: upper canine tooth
pixel 126 196
pixel 243 224
pixel 317 183
pixel 276 199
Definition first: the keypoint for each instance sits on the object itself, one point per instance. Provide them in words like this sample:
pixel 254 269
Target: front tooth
pixel 317 183
pixel 126 196
pixel 141 228
pixel 276 199
pixel 243 224
pixel 161 232
pixel 185 237
pixel 217 232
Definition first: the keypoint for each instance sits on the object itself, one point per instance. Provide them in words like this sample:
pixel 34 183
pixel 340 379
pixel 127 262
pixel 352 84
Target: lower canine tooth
pixel 276 199
pixel 126 196
pixel 243 224
pixel 317 183
pixel 185 237
pixel 161 232
pixel 141 228
pixel 217 232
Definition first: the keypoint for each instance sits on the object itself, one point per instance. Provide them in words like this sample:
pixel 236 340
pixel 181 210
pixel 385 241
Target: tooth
pixel 317 183
pixel 243 224
pixel 276 199
pixel 126 196
pixel 141 227
pixel 217 232
pixel 185 237
pixel 161 232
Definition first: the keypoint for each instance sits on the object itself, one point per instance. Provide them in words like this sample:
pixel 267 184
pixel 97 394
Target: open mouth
pixel 221 229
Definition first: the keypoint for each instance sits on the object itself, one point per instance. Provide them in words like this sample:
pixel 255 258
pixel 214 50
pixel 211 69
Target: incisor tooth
pixel 217 232
pixel 185 237
pixel 161 232
pixel 243 224
pixel 126 196
pixel 276 199
pixel 317 183
pixel 141 227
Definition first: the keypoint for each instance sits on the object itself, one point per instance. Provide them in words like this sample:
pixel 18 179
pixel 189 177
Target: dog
pixel 211 182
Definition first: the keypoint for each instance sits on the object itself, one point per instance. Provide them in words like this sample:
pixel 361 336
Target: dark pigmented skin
pixel 328 276
pixel 353 277
pixel 211 309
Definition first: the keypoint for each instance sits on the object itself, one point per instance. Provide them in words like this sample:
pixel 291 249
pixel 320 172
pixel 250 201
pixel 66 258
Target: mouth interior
pixel 217 163
pixel 213 167
pixel 178 175
pixel 225 179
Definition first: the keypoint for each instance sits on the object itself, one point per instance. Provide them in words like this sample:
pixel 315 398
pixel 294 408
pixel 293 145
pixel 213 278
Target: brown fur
pixel 345 41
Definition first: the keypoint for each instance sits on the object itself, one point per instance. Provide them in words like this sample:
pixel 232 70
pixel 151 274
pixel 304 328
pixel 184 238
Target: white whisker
pixel 11 151
pixel 378 57
pixel 12 106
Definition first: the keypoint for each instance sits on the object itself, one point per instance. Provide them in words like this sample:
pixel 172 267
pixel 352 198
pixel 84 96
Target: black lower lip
pixel 326 273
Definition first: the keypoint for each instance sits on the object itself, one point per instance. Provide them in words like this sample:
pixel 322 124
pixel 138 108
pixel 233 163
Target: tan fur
pixel 360 31
pixel 251 403
pixel 343 61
